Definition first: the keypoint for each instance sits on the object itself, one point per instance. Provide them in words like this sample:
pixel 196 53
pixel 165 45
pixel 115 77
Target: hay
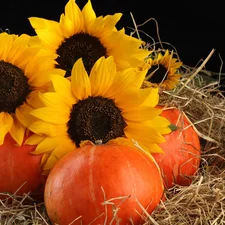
pixel 22 210
pixel 203 202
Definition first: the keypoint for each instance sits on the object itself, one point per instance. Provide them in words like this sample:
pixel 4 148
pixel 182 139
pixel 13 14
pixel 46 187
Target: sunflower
pixel 22 75
pixel 162 71
pixel 107 106
pixel 80 34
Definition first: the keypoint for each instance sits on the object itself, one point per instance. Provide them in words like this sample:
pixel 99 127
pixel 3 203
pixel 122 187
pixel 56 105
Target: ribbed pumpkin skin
pixel 17 166
pixel 73 187
pixel 181 157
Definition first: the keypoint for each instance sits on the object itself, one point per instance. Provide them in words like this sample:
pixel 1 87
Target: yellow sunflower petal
pixel 42 61
pixel 34 41
pixel 72 21
pixel 44 160
pixel 6 122
pixel 46 145
pixel 59 152
pixel 95 27
pixel 88 12
pixel 102 75
pixel 161 123
pixel 18 46
pixel 110 21
pixel 127 78
pixel 143 134
pixel 121 141
pixel 80 82
pixel 141 54
pixel 141 113
pixel 50 162
pixel 17 131
pixel 151 148
pixel 33 100
pixel 6 42
pixel 51 115
pixel 53 99
pixel 153 97
pixel 66 26
pixel 48 31
pixel 23 115
pixel 34 139
pixel 41 79
pixel 25 56
pixel 126 50
pixel 62 86
pixel 45 128
pixel 132 98
pixel 49 39
pixel 65 147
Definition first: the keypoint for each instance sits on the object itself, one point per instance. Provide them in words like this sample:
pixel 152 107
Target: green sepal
pixel 173 127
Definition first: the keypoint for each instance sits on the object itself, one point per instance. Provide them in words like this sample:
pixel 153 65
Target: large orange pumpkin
pixel 121 176
pixel 20 170
pixel 181 158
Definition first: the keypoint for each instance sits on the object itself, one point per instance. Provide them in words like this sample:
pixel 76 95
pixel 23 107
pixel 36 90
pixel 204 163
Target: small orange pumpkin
pixel 20 170
pixel 80 183
pixel 181 158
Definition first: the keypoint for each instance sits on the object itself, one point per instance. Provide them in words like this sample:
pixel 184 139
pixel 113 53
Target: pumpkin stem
pixel 98 142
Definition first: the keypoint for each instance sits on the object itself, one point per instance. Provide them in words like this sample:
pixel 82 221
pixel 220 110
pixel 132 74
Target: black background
pixel 194 30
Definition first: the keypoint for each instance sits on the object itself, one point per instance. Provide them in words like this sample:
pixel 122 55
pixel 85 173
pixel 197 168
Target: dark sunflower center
pixel 14 87
pixel 157 74
pixel 81 45
pixel 95 118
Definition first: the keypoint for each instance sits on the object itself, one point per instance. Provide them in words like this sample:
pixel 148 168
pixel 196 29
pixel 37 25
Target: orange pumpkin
pixel 121 176
pixel 181 158
pixel 20 170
